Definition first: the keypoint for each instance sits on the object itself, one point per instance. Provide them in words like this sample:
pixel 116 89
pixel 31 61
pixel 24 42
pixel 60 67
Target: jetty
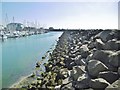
pixel 82 60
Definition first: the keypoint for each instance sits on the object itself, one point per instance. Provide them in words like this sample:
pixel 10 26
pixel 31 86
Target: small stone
pixel 64 73
pixel 38 64
pixel 32 75
pixel 84 48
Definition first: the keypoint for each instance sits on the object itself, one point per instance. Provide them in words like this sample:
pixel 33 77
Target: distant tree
pixel 51 28
pixel 41 28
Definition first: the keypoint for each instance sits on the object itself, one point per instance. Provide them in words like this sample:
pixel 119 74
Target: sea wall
pixel 86 59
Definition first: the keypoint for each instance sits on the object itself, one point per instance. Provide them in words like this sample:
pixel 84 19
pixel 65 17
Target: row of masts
pixel 25 22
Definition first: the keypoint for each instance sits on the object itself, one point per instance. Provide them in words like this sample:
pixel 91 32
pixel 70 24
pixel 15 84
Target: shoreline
pixel 19 81
pixel 26 79
pixel 82 60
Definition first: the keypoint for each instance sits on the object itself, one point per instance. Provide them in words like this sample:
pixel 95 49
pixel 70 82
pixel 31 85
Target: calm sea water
pixel 20 55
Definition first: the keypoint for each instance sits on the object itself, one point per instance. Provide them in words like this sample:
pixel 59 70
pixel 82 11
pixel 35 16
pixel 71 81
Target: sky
pixel 83 15
pixel 119 15
pixel 60 0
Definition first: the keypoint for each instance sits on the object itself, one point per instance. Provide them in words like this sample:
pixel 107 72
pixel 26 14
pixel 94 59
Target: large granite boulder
pixel 99 44
pixel 102 55
pixel 104 35
pixel 82 82
pixel 64 73
pixel 69 63
pixel 117 34
pixel 99 83
pixel 80 62
pixel 112 68
pixel 89 57
pixel 112 45
pixel 76 72
pixel 114 86
pixel 95 67
pixel 91 45
pixel 109 76
pixel 115 59
pixel 66 85
pixel 84 51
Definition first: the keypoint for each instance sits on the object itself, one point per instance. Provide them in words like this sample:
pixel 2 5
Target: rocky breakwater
pixel 86 59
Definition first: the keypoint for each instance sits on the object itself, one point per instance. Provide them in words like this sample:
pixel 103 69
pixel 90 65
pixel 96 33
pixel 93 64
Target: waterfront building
pixel 15 26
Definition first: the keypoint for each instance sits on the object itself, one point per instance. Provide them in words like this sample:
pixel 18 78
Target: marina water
pixel 20 55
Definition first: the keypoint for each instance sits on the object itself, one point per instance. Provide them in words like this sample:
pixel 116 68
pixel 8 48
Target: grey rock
pixel 102 55
pixel 69 63
pixel 84 51
pixel 112 68
pixel 89 57
pixel 70 66
pixel 82 82
pixel 72 55
pixel 119 70
pixel 114 59
pixel 104 35
pixel 85 42
pixel 80 62
pixel 112 45
pixel 114 86
pixel 99 83
pixel 99 44
pixel 64 72
pixel 109 76
pixel 89 89
pixel 94 67
pixel 76 72
pixel 66 85
pixel 117 34
pixel 91 45
pixel 38 64
pixel 83 62
pixel 84 48
pixel 78 57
